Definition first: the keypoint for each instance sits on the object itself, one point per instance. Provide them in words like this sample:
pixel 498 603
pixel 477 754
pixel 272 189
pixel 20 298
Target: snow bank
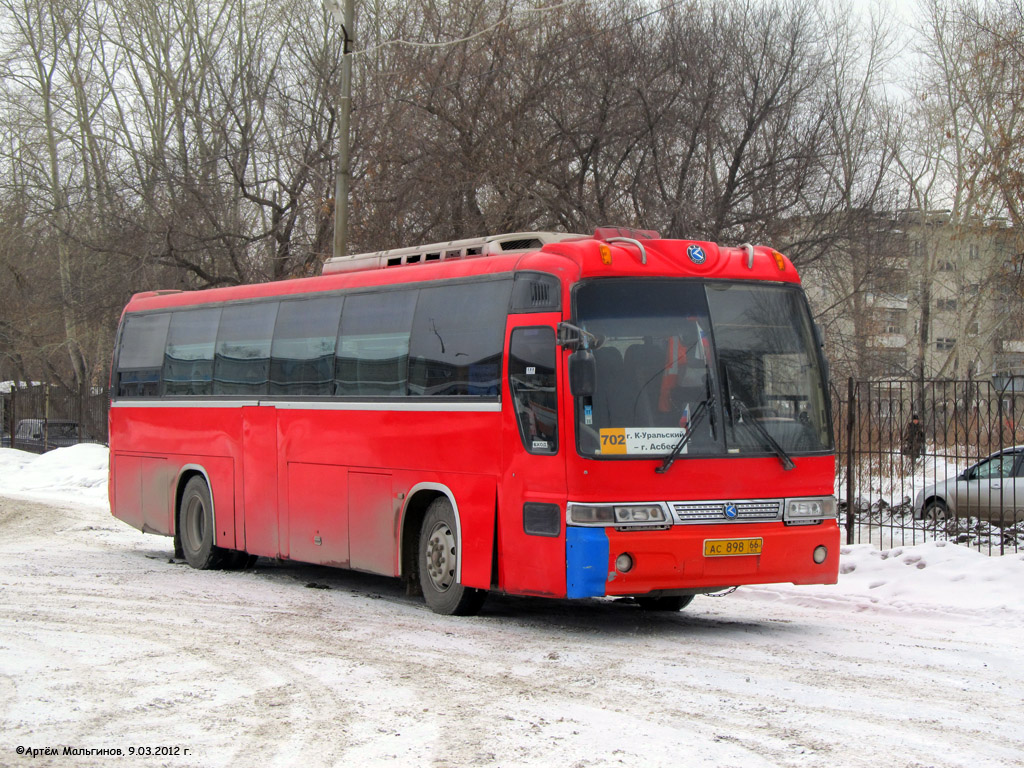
pixel 936 576
pixel 936 573
pixel 76 474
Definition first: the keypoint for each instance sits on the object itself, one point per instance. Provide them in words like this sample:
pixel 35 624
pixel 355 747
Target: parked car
pixel 5 439
pixel 39 435
pixel 992 489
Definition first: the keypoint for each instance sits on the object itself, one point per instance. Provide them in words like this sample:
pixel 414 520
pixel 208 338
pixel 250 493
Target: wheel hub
pixel 441 557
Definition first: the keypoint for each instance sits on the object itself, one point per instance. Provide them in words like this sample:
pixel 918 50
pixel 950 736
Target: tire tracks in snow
pixel 104 642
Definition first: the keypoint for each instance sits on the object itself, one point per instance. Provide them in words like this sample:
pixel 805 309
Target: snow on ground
pixel 884 493
pixel 77 474
pixel 106 642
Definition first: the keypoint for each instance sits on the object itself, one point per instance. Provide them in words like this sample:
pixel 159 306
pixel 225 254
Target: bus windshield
pixel 741 354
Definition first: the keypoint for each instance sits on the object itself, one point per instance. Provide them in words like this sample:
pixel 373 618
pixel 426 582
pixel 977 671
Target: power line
pixel 484 31
pixel 496 70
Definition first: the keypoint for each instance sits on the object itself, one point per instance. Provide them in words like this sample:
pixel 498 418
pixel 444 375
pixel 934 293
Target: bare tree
pixel 948 164
pixel 56 97
pixel 193 144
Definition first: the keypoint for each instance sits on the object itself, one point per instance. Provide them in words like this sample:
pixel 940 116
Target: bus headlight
pixel 810 510
pixel 586 514
pixel 639 513
pixel 619 515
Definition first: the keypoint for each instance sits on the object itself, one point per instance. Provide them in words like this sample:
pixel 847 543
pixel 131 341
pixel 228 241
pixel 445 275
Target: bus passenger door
pixel 532 492
pixel 259 482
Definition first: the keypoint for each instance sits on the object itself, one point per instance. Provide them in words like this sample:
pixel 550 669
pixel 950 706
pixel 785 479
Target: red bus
pixel 532 414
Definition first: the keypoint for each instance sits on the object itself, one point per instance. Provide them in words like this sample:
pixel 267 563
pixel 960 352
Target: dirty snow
pixel 913 659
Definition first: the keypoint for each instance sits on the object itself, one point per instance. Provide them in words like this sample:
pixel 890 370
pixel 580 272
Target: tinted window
pixel 242 360
pixel 733 364
pixel 768 366
pixel 302 354
pixel 188 358
pixel 373 348
pixel 457 339
pixel 653 368
pixel 141 354
pixel 531 372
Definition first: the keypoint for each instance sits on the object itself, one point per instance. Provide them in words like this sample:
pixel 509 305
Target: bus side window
pixel 188 357
pixel 141 354
pixel 372 357
pixel 242 356
pixel 531 366
pixel 302 352
pixel 457 335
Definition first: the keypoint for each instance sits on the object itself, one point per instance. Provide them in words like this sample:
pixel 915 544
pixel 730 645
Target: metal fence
pixel 905 480
pixel 48 406
pixel 898 483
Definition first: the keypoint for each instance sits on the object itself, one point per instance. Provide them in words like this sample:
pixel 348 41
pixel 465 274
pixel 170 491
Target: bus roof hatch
pixel 516 242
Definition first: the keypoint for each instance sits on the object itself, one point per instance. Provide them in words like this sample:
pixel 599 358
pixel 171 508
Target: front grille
pixel 751 511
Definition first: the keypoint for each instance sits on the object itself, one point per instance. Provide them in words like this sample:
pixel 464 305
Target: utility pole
pixel 344 13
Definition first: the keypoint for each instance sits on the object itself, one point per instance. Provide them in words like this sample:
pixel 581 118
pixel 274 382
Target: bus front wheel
pixel 195 526
pixel 439 564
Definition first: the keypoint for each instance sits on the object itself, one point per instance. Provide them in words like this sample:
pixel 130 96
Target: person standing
pixel 913 441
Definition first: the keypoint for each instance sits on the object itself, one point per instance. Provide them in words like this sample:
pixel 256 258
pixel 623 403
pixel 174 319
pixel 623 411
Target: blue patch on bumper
pixel 586 561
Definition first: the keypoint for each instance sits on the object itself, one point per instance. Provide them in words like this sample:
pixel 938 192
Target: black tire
pixel 195 527
pixel 667 603
pixel 935 510
pixel 438 564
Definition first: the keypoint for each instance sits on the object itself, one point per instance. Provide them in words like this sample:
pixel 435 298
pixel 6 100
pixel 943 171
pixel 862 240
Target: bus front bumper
pixel 686 558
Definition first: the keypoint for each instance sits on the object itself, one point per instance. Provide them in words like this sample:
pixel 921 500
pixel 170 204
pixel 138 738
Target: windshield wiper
pixel 747 418
pixel 703 409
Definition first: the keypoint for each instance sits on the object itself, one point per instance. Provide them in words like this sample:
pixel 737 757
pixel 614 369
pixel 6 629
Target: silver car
pixel 992 489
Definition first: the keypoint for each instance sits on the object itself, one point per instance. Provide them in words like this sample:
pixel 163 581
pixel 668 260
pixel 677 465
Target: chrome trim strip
pixel 458 524
pixel 490 407
pixel 295 405
pixel 169 403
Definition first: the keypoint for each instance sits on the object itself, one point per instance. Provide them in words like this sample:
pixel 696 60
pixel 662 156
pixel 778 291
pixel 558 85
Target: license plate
pixel 731 547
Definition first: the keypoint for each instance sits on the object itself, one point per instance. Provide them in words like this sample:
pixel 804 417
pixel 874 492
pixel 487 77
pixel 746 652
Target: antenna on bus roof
pixel 516 242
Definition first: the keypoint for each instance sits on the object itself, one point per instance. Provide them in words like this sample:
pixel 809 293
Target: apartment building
pixel 925 293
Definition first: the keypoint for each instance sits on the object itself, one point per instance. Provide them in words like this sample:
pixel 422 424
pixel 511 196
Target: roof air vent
pixel 536 292
pixel 524 244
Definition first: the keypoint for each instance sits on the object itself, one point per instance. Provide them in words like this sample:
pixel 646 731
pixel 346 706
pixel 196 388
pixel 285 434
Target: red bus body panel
pixel 337 482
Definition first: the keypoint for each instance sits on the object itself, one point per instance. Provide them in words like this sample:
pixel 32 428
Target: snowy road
pixel 105 644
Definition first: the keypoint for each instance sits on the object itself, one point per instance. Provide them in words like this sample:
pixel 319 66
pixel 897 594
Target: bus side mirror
pixel 582 373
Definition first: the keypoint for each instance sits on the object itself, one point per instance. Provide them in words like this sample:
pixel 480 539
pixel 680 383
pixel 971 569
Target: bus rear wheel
pixel 666 603
pixel 196 531
pixel 439 564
